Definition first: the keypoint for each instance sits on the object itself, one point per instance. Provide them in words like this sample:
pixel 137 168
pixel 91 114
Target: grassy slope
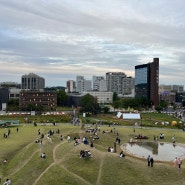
pixel 64 166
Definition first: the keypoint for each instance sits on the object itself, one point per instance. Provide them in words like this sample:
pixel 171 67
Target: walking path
pixel 57 161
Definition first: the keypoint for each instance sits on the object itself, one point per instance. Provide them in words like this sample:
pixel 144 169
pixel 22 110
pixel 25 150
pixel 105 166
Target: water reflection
pixel 159 151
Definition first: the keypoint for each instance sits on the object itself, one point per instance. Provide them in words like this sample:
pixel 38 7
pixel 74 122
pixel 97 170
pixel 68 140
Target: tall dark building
pixel 4 93
pixel 147 81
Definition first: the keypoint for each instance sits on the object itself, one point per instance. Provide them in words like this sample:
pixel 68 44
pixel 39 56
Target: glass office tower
pixel 147 81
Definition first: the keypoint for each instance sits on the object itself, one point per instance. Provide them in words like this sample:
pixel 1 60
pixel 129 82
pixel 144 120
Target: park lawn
pixel 57 175
pixel 63 164
pixel 131 171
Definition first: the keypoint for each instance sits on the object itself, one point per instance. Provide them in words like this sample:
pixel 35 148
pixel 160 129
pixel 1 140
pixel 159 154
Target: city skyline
pixel 61 39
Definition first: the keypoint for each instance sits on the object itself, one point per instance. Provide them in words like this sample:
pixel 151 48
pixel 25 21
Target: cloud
pixel 60 39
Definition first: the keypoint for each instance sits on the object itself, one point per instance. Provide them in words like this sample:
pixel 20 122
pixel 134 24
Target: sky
pixel 60 39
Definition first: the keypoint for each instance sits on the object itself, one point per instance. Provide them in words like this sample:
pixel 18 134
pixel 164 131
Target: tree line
pixel 89 104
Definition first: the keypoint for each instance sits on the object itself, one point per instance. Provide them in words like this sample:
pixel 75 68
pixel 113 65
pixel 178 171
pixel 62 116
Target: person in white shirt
pixel 68 138
pixel 7 182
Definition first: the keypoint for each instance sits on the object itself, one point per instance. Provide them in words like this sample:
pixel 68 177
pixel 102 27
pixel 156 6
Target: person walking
pixel 151 161
pixel 148 160
pixel 179 162
pixel 175 162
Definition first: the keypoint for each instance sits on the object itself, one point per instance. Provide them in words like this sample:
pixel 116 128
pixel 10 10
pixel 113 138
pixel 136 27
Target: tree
pixel 163 104
pixel 89 104
pixel 13 105
pixel 116 104
pixel 61 98
pixel 106 109
pixel 14 102
pixel 115 97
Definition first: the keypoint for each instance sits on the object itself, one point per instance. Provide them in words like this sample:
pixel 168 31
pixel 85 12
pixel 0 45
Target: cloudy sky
pixel 60 39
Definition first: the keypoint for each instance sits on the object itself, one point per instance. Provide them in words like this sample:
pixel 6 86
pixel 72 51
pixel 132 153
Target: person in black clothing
pixel 148 160
pixel 91 144
pixel 151 161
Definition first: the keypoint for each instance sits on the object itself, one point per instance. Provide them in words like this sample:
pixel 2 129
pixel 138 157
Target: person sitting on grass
pixel 7 182
pixel 111 149
pixel 85 141
pixel 5 161
pixel 37 141
pixel 96 136
pixel 121 154
pixel 43 155
pixel 76 142
pixel 82 153
pixel 87 153
pixel 91 144
pixel 61 137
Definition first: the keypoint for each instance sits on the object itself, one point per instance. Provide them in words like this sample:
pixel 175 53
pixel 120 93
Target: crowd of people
pixel 90 142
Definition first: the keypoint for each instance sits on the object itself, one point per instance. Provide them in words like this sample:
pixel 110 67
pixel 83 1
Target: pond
pixel 159 151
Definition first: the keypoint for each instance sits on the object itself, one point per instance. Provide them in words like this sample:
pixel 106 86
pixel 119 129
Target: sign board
pixel 3 106
pixel 32 113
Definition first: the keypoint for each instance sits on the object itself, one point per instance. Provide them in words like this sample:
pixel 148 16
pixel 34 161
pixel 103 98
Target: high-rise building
pixel 115 82
pixel 32 82
pixel 99 83
pixel 82 84
pixel 71 86
pixel 128 86
pixel 147 81
pixel 3 98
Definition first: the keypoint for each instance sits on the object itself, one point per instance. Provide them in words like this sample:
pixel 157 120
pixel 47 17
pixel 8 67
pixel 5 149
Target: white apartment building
pixel 128 86
pixel 118 82
pixel 99 83
pixel 71 86
pixel 82 84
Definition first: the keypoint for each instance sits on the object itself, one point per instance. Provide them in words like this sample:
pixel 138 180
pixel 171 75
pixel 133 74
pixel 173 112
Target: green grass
pixel 64 166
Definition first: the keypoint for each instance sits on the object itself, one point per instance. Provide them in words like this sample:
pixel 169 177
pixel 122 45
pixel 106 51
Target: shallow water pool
pixel 159 151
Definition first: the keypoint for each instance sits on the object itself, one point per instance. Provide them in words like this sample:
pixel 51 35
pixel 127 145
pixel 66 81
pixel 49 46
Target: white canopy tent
pixel 128 115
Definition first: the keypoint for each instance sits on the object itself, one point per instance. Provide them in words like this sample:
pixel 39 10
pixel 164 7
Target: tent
pixel 173 123
pixel 128 115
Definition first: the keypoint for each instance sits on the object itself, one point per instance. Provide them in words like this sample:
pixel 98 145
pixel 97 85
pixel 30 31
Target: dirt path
pixel 15 171
pixel 100 169
pixel 58 161
pixel 55 162
pixel 77 176
pixel 26 161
